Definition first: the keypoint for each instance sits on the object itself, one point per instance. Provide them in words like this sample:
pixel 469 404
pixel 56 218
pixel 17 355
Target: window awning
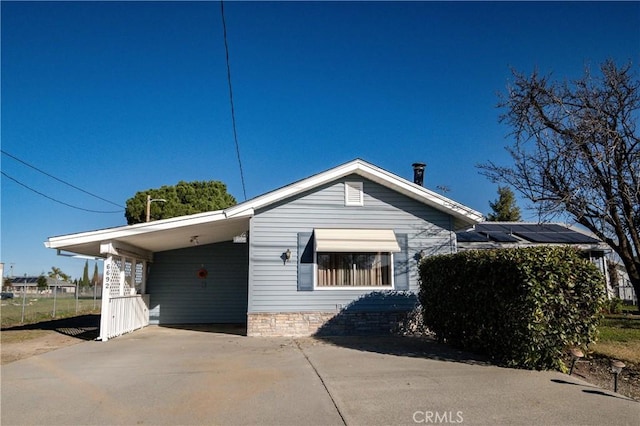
pixel 355 240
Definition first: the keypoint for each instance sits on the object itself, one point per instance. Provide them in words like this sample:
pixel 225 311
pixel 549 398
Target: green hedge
pixel 522 307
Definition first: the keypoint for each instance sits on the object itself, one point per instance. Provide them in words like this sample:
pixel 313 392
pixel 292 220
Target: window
pixel 354 257
pixel 354 269
pixel 337 259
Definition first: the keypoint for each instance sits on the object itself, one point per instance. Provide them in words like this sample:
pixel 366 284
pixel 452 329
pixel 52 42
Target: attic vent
pixel 353 194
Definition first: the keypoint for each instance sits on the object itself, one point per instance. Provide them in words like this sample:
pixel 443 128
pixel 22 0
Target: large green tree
pixel 42 283
pixel 85 275
pixel 576 150
pixel 95 279
pixel 504 209
pixel 182 199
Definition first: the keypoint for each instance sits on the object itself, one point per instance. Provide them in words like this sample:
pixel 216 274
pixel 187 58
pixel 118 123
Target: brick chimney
pixel 418 173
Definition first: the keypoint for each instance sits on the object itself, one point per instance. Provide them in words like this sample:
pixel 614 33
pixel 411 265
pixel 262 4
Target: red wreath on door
pixel 202 273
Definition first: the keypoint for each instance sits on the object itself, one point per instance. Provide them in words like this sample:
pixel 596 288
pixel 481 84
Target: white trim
pixel 139 228
pixel 119 248
pixel 353 194
pixel 344 287
pixel 79 243
pixel 366 170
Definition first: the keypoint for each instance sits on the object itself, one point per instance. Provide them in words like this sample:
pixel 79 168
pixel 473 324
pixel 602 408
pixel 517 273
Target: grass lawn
pixel 630 309
pixel 39 308
pixel 619 338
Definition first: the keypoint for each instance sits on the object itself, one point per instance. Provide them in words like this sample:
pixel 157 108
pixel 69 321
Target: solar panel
pixel 540 237
pixel 580 238
pixel 471 237
pixel 534 232
pixel 502 237
pixel 493 227
pixel 567 237
pixel 552 227
pixel 563 237
pixel 535 228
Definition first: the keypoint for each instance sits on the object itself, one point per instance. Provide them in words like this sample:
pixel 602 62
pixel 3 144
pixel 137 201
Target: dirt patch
pixel 20 344
pixel 597 371
pixel 24 341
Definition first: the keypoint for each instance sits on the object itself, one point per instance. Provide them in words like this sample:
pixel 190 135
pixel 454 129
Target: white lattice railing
pixel 126 314
pixel 123 308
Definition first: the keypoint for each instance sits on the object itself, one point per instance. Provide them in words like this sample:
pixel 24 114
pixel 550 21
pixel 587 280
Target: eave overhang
pixel 224 225
pixel 151 237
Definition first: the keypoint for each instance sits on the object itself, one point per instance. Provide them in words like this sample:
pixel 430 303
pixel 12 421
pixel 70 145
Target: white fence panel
pixel 125 307
pixel 127 313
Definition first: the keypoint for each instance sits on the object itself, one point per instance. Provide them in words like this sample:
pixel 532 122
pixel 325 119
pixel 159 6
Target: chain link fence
pixel 28 305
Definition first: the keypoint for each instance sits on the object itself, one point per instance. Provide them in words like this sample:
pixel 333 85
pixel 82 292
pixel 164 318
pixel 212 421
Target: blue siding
pixel 273 283
pixel 178 296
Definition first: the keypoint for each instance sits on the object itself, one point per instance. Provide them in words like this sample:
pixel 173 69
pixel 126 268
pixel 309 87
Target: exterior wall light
pixel 285 256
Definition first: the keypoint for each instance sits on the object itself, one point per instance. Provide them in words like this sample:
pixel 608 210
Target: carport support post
pixel 105 315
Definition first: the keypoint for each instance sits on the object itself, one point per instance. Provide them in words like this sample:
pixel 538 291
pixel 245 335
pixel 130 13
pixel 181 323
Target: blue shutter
pixel 305 261
pixel 401 264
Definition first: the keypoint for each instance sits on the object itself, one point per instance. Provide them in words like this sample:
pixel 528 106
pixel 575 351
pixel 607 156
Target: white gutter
pixel 129 230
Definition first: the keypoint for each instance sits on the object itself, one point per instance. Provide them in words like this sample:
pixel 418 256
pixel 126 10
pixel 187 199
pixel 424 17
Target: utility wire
pixel 53 199
pixel 58 179
pixel 233 113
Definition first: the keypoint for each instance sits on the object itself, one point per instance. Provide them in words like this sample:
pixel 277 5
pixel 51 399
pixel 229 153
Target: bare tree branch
pixel 576 150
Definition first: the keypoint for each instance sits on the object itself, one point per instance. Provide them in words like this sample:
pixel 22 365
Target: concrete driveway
pixel 170 376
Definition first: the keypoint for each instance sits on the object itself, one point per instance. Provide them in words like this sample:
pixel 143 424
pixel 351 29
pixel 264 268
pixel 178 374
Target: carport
pixel 127 252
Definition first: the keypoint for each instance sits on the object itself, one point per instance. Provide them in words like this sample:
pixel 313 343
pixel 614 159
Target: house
pixel 491 235
pixel 288 262
pixel 621 282
pixel 30 285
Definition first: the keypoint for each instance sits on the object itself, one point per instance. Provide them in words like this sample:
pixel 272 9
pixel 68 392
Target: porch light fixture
pixel 194 240
pixel 287 255
pixel 152 200
pixel 576 354
pixel 616 369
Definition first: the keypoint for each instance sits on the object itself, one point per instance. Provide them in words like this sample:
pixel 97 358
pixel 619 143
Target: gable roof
pixel 223 225
pixel 368 171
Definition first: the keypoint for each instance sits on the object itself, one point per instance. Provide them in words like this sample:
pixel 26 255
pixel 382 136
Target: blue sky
pixel 119 97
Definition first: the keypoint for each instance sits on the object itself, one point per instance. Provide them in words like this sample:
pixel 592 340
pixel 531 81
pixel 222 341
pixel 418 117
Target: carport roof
pixel 223 225
pixel 159 235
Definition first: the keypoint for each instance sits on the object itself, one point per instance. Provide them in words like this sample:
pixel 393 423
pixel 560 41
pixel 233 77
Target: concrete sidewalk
pixel 175 376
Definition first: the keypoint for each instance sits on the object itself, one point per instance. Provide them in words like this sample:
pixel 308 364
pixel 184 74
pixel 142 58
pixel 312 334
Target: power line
pixel 53 199
pixel 233 113
pixel 58 179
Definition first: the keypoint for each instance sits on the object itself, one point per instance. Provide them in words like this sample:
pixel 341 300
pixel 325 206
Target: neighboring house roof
pixel 518 234
pixel 223 225
pixel 33 281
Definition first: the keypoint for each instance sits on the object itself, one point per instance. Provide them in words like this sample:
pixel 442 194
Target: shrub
pixel 523 307
pixel 614 305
